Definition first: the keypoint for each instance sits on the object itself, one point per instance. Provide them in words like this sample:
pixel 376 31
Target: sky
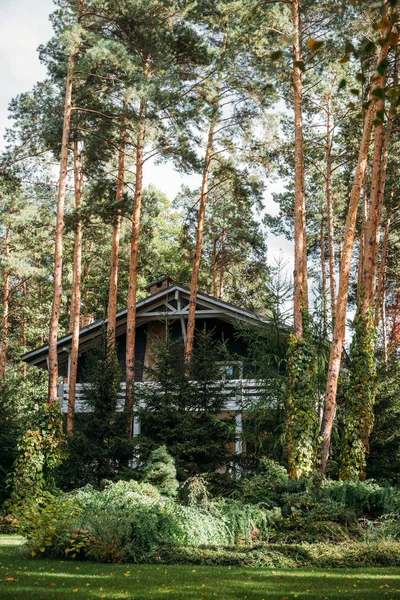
pixel 24 25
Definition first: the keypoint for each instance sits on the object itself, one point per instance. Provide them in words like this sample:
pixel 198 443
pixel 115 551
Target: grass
pixel 25 578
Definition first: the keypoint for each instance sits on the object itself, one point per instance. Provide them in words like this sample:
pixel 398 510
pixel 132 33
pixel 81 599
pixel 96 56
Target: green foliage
pixel 301 404
pixel 182 414
pixel 18 396
pixel 194 492
pixel 126 519
pixel 283 556
pixel 358 412
pixel 364 497
pixel 48 523
pixel 160 471
pixel 99 449
pixel 263 484
pixel 383 461
pixel 39 453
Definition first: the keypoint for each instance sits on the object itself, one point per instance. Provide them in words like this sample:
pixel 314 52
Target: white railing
pixel 240 393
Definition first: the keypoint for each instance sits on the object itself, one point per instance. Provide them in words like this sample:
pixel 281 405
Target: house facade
pixel 167 304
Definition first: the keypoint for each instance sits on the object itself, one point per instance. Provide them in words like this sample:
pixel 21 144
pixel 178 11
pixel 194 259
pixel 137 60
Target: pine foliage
pixel 160 471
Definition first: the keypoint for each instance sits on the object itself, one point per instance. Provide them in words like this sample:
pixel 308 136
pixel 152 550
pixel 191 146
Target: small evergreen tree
pixel 160 471
pixel 99 449
pixel 183 414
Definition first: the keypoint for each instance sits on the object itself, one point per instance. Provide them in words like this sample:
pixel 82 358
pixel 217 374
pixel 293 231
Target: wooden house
pixel 167 302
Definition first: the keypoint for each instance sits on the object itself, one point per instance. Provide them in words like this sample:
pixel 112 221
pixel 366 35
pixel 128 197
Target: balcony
pixel 240 394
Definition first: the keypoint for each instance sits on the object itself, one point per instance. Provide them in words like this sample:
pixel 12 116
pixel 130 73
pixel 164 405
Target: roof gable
pixel 168 303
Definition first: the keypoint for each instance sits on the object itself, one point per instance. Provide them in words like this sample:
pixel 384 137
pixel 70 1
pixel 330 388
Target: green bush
pixel 160 471
pixel 49 523
pixel 265 484
pixel 128 518
pixel 280 556
pixel 364 497
pixel 387 528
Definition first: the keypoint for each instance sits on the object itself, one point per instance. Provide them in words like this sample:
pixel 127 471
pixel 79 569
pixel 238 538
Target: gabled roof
pixel 167 303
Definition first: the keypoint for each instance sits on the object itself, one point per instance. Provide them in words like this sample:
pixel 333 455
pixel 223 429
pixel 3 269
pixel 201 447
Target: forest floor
pixel 26 578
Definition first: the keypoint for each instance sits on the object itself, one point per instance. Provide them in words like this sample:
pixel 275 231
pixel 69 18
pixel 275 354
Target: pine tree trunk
pixel 58 250
pixel 340 317
pixel 300 299
pixel 323 278
pixel 382 272
pixel 6 310
pixel 362 239
pixel 133 273
pixel 113 289
pixel 199 238
pixel 222 267
pixel 214 265
pixel 382 183
pixel 23 328
pixel 384 329
pixel 372 226
pixel 329 207
pixel 86 317
pixel 75 316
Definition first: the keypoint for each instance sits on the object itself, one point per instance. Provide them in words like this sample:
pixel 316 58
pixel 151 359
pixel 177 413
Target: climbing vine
pixel 39 452
pixel 301 403
pixel 358 413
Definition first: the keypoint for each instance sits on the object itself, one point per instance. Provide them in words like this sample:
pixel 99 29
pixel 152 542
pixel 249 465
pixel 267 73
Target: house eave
pixel 38 356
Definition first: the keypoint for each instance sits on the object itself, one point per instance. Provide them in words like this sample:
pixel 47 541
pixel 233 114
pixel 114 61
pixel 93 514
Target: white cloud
pixel 24 25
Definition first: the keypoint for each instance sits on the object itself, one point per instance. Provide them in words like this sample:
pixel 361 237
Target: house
pixel 167 301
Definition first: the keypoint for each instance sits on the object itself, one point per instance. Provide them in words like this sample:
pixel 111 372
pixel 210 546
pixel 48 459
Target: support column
pixel 238 432
pixel 137 428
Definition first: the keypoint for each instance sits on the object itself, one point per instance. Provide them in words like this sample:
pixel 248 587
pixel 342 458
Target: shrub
pixel 280 556
pixel 129 518
pixel 160 471
pixel 39 452
pixel 363 497
pixel 265 484
pixel 48 523
pixel 99 448
pixel 194 492
pixel 388 528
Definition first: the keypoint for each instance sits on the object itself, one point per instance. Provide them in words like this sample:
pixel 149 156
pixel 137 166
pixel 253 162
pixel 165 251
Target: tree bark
pixel 58 249
pixel 329 207
pixel 384 329
pixel 222 267
pixel 23 328
pixel 372 226
pixel 113 289
pixel 6 310
pixel 86 317
pixel 133 273
pixel 340 317
pixel 323 278
pixel 362 239
pixel 75 316
pixel 199 238
pixel 300 299
pixel 382 185
pixel 382 272
pixel 214 265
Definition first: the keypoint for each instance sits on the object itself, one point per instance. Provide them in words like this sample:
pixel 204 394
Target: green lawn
pixel 24 578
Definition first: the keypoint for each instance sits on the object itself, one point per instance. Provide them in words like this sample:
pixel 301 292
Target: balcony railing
pixel 240 393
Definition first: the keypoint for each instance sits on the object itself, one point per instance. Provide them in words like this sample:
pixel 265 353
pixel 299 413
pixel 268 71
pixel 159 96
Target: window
pixel 231 369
